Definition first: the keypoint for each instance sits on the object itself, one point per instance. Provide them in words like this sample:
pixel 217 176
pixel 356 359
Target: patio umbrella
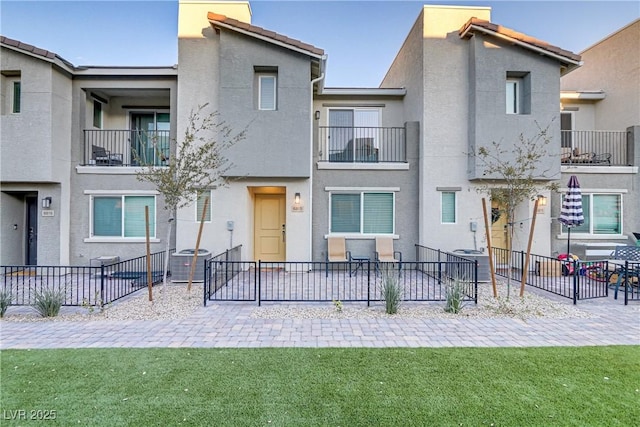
pixel 571 212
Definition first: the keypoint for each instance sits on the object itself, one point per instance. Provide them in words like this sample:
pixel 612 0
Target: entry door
pixel 270 227
pixel 31 238
pixel 499 232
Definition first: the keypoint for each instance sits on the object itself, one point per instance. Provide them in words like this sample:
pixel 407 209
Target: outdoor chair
pixel 102 156
pixel 625 263
pixel 337 252
pixel 385 253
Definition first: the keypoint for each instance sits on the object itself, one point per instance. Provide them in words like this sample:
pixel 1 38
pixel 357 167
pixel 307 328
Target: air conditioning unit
pixel 181 265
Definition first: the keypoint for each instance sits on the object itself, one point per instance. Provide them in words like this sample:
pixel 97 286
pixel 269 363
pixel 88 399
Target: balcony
pixel 126 148
pixel 595 148
pixel 347 144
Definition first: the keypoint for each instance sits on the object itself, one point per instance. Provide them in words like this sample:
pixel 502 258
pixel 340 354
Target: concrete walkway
pixel 231 325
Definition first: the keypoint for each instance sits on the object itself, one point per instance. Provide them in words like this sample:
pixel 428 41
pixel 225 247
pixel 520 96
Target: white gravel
pixel 174 302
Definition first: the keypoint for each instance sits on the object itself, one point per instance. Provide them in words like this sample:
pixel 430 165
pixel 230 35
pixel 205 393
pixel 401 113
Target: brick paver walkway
pixel 231 325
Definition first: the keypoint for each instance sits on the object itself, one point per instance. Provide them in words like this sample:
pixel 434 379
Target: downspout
pixel 323 61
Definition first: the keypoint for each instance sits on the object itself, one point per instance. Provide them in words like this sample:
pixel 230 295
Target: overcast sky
pixel 361 38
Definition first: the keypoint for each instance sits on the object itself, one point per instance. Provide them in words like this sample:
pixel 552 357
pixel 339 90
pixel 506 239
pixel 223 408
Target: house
pixel 71 137
pixel 396 160
pixel 600 116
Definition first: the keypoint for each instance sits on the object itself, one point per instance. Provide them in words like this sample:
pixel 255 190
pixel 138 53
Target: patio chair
pixel 385 253
pixel 102 156
pixel 336 252
pixel 626 264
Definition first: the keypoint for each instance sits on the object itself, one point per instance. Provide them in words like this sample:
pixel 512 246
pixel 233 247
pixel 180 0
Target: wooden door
pixel 270 227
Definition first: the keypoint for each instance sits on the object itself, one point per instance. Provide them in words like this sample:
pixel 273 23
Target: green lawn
pixel 561 386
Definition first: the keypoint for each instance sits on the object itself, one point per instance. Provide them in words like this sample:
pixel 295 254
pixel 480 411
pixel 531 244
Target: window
pixel 97 114
pixel 566 126
pixel 354 134
pixel 602 214
pixel 448 207
pixel 513 96
pixel 123 216
pixel 15 108
pixel 363 213
pixel 267 92
pixel 518 92
pixel 201 197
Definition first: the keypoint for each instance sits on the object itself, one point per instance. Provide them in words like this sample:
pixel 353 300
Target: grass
pixel 559 386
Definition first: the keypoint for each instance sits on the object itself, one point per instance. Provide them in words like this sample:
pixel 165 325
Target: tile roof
pixel 33 50
pixel 27 47
pixel 259 31
pixel 508 32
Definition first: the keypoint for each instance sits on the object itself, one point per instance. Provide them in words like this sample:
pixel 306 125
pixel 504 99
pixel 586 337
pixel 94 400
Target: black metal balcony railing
pixel 362 144
pixel 126 148
pixel 594 148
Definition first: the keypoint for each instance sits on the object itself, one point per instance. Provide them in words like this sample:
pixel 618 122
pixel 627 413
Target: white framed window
pixel 97 114
pixel 602 214
pixel 267 92
pixel 120 216
pixel 365 212
pixel 448 207
pixel 201 197
pixel 513 95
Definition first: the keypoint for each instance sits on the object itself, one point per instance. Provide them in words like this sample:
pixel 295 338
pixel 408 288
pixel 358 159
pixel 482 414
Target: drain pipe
pixel 323 61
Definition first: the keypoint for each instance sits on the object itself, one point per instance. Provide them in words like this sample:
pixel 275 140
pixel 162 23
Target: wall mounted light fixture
pixel 316 115
pixel 542 200
pixel 46 202
pixel 297 199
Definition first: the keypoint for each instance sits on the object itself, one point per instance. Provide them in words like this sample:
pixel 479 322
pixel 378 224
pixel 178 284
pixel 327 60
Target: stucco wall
pixel 280 136
pixel 612 65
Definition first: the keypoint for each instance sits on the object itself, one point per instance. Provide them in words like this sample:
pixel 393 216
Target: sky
pixel 361 38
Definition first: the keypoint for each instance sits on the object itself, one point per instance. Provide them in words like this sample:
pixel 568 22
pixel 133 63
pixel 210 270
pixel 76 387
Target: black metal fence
pixel 80 285
pixel 573 279
pixel 362 144
pixel 229 279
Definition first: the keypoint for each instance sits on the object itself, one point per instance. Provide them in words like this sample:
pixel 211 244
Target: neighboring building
pixel 70 139
pixel 601 117
pixel 316 161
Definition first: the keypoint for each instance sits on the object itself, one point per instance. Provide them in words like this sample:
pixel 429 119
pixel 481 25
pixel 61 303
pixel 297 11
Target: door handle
pixel 284 232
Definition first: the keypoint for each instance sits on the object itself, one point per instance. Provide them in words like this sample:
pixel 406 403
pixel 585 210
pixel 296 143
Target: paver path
pixel 231 325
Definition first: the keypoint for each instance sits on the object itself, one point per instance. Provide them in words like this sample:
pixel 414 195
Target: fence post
pixel 258 279
pixel 205 282
pixel 575 281
pixel 102 284
pixel 439 269
pixel 475 284
pixel 368 283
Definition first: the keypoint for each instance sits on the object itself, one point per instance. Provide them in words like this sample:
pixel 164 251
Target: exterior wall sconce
pixel 297 203
pixel 46 202
pixel 316 115
pixel 542 202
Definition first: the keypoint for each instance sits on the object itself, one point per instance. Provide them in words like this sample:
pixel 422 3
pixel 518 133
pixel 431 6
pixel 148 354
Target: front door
pixel 499 232
pixel 270 227
pixel 31 238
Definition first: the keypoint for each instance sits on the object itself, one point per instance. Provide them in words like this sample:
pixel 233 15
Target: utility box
pixel 181 265
pixel 484 273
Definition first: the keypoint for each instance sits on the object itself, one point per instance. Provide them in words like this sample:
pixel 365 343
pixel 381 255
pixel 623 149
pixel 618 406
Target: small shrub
pixel 455 296
pixel 5 302
pixel 391 292
pixel 338 305
pixel 48 302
